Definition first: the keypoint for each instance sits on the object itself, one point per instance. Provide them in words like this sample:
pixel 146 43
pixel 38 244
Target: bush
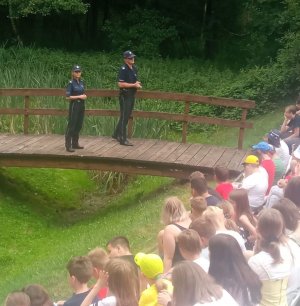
pixel 140 30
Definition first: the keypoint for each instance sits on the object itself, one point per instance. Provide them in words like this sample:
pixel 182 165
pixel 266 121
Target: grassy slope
pixel 34 249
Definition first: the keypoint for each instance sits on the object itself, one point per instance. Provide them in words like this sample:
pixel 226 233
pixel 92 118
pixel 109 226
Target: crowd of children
pixel 236 244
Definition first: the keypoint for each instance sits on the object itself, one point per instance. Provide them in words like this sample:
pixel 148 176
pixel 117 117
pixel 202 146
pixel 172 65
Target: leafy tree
pixel 141 30
pixel 20 8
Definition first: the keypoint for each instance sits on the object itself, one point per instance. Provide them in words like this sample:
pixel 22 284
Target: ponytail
pixel 272 247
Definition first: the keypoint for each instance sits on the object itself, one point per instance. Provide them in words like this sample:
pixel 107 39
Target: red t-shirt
pixel 269 165
pixel 102 293
pixel 224 189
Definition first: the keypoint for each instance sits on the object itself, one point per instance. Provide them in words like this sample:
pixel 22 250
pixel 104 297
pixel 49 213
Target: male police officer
pixel 128 84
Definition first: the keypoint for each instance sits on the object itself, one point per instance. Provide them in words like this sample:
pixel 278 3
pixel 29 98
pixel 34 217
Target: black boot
pixel 68 144
pixel 75 144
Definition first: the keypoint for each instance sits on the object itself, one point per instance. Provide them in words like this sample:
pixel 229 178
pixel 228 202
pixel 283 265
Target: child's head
pixel 229 214
pixel 198 206
pixel 123 282
pixel 17 298
pixel 189 244
pixel 198 186
pixel 173 211
pixel 205 230
pixel 80 269
pixel 270 228
pixel 150 265
pixel 290 111
pixel 221 174
pixel 38 295
pixel 215 215
pixel 118 246
pixel 99 259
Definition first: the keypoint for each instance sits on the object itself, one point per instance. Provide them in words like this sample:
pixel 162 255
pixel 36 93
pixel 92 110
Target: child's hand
pixel 164 298
pixel 102 280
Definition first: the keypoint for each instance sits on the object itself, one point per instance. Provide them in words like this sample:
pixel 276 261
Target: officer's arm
pixel 69 92
pixel 81 97
pixel 137 84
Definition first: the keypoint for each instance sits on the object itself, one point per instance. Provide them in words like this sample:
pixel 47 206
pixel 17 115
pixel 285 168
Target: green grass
pixel 35 250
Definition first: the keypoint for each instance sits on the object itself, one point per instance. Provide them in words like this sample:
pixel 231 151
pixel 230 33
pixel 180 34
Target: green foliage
pixel 44 7
pixel 269 85
pixel 110 182
pixel 141 30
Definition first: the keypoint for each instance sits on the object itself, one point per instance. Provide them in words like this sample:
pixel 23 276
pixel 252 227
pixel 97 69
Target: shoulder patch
pixel 70 82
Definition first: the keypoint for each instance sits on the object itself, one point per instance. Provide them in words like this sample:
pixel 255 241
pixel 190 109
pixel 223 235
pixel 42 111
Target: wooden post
pixel 26 115
pixel 186 121
pixel 242 130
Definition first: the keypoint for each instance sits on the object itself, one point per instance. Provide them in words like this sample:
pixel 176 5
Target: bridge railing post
pixel 242 129
pixel 186 121
pixel 26 114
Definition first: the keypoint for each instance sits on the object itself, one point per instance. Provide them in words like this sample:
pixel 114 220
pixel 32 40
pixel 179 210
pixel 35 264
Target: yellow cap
pixel 251 159
pixel 151 265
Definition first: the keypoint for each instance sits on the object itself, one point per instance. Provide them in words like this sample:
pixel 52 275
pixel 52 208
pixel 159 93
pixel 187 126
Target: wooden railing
pixel 184 117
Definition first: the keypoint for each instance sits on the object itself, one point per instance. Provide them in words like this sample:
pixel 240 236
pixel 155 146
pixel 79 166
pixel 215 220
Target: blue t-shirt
pixel 76 299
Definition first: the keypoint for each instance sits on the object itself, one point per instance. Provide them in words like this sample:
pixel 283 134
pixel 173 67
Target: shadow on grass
pixel 89 206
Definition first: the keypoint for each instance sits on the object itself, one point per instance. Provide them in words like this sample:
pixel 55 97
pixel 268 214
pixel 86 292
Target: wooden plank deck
pixel 147 156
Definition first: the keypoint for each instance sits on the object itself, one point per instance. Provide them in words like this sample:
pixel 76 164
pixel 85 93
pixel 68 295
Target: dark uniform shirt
pixel 75 88
pixel 293 124
pixel 128 75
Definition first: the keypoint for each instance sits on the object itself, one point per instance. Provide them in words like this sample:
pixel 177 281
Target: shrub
pixel 140 30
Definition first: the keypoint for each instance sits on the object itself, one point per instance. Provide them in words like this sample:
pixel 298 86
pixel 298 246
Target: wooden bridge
pixel 147 156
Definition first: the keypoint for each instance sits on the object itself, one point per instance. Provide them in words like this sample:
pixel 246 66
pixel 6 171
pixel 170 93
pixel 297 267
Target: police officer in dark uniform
pixel 128 84
pixel 76 96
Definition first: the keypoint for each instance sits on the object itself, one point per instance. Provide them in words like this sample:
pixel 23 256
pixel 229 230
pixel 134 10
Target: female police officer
pixel 76 96
pixel 128 84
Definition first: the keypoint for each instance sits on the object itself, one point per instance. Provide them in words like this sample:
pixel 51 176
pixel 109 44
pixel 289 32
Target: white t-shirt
pixel 205 253
pixel 225 300
pixel 256 185
pixel 203 263
pixel 262 262
pixel 108 301
pixel 236 236
pixel 283 153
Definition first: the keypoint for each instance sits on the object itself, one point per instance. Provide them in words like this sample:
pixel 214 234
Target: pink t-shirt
pixel 224 189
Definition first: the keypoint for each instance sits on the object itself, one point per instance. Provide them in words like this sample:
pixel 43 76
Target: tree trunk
pixel 13 23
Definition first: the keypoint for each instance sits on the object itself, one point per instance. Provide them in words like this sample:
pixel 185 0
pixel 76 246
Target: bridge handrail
pixel 185 118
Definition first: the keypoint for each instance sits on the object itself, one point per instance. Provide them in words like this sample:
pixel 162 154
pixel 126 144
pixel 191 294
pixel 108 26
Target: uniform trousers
pixel 75 121
pixel 126 100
